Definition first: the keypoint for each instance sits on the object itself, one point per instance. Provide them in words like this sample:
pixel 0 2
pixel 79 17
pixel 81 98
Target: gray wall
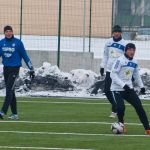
pixel 72 60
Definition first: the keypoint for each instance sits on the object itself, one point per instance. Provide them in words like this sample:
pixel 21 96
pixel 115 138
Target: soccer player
pixel 122 72
pixel 114 48
pixel 12 51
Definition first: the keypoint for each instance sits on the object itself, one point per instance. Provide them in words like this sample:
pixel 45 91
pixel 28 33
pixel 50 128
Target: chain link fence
pixel 72 34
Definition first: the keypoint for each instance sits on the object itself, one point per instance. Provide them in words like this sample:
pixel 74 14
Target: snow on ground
pixel 75 44
pixel 81 82
pixel 81 79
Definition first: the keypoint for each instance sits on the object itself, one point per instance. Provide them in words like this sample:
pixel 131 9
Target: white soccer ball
pixel 117 128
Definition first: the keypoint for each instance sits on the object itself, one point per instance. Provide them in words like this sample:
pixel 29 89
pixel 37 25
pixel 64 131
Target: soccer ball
pixel 117 128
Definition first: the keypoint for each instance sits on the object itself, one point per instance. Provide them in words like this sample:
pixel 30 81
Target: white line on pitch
pixel 71 133
pixel 41 102
pixel 84 103
pixel 40 122
pixel 40 148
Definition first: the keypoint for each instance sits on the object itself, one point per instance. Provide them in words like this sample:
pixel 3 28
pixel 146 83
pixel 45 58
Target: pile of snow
pixel 83 78
pixel 51 81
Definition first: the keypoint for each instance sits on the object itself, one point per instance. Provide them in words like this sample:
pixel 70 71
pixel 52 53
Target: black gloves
pixel 102 71
pixel 142 91
pixel 127 88
pixel 32 74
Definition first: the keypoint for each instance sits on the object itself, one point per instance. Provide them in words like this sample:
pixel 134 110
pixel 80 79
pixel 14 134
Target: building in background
pixel 132 13
pixel 40 17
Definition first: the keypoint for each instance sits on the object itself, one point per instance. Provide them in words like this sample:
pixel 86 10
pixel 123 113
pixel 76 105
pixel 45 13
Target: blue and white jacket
pixel 122 72
pixel 112 51
pixel 12 51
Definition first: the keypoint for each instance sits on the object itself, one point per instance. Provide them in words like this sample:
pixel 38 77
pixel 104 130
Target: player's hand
pixel 32 74
pixel 142 91
pixel 102 71
pixel 127 88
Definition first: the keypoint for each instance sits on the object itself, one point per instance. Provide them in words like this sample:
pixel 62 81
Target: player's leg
pixel 134 100
pixel 13 106
pixel 108 93
pixel 11 77
pixel 120 105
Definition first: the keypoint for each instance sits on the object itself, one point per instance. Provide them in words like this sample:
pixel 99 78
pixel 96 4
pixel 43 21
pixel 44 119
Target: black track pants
pixel 108 93
pixel 132 98
pixel 10 75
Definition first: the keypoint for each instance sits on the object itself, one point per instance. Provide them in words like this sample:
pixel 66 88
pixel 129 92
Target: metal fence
pixel 74 25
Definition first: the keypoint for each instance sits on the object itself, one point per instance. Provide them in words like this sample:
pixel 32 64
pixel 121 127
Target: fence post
pixel 59 33
pixel 21 7
pixel 142 12
pixel 90 26
pixel 113 12
pixel 84 25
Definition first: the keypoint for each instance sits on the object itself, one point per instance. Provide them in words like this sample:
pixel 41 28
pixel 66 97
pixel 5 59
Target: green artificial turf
pixel 70 123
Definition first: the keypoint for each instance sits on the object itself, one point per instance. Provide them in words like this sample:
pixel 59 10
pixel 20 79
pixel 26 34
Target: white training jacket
pixel 122 71
pixel 112 51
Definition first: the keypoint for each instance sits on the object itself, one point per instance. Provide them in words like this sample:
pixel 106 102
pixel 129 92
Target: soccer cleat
pixel 147 132
pixel 124 129
pixel 113 115
pixel 1 115
pixel 13 117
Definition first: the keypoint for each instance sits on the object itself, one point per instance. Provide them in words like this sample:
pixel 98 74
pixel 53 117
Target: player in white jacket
pixel 122 72
pixel 114 48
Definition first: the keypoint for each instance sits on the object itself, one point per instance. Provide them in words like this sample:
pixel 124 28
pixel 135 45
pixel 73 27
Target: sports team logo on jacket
pixel 8 51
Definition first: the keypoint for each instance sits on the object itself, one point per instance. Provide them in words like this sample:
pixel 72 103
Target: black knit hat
pixel 7 28
pixel 130 45
pixel 116 28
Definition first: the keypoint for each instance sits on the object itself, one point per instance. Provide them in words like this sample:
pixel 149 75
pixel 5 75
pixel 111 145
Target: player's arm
pixel 115 73
pixel 104 59
pixel 137 77
pixel 25 56
pixel 27 60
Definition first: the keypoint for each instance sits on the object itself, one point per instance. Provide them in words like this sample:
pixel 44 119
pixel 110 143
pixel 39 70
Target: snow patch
pixel 51 81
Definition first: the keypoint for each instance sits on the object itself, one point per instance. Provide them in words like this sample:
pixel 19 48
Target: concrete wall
pixel 40 17
pixel 72 60
pixel 68 60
